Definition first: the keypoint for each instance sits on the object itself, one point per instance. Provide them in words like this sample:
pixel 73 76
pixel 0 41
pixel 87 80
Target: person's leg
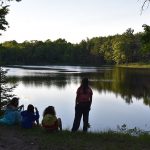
pixel 77 119
pixel 85 120
pixel 59 124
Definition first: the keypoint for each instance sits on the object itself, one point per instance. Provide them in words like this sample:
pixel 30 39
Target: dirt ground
pixel 12 139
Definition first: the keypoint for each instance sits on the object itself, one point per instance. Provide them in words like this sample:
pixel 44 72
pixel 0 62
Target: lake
pixel 120 96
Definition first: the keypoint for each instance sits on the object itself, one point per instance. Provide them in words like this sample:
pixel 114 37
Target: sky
pixel 73 20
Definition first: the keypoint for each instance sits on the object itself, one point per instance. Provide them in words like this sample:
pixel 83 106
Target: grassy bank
pixel 40 140
pixel 136 65
pixel 94 141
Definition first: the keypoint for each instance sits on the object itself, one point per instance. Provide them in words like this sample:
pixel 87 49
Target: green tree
pixel 5 90
pixel 4 9
pixel 146 43
pixel 118 49
pixel 3 22
pixel 125 47
pixel 107 50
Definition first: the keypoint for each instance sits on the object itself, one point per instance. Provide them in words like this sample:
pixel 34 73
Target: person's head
pixel 49 110
pixel 30 108
pixel 14 102
pixel 85 82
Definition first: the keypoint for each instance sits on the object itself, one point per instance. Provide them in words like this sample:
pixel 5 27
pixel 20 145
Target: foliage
pixel 5 90
pixel 118 49
pixel 145 39
pixel 134 131
pixel 3 12
pixel 3 22
pixel 126 47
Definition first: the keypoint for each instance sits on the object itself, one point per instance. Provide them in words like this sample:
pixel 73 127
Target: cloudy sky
pixel 73 20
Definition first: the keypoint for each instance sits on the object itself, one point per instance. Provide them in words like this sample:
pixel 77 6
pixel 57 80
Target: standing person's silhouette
pixel 83 104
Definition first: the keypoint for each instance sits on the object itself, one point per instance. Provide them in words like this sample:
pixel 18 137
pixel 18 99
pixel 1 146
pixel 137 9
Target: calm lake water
pixel 120 96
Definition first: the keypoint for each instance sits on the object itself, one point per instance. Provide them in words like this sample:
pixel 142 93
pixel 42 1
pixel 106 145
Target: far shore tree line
pixel 117 49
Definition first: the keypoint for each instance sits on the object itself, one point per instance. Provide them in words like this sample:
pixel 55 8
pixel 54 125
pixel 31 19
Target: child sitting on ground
pixel 29 117
pixel 50 122
pixel 12 113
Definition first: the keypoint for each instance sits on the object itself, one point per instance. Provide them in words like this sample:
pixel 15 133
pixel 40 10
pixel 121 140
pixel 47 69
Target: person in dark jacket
pixel 83 105
pixel 29 117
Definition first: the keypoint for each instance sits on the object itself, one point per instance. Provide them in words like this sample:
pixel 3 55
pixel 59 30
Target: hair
pixel 85 84
pixel 49 110
pixel 30 108
pixel 14 101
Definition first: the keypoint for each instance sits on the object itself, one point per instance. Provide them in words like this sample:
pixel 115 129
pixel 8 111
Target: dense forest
pixel 117 49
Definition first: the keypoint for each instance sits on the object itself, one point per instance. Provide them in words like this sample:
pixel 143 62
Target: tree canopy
pixel 4 9
pixel 118 49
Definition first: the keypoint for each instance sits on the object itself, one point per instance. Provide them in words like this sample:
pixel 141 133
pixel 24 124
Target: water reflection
pixel 120 96
pixel 127 83
pixel 132 83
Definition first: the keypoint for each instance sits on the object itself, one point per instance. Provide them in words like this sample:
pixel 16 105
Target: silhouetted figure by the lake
pixel 83 105
pixel 30 118
pixel 12 113
pixel 50 122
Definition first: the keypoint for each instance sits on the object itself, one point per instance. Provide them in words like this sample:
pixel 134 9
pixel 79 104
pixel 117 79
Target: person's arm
pixel 37 116
pixel 90 100
pixel 91 95
pixel 77 96
pixel 76 99
pixel 20 107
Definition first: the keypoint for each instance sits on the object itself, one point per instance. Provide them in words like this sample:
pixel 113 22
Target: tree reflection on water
pixel 127 83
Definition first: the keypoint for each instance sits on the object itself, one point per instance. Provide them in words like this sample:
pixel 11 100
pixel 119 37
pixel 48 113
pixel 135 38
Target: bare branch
pixel 144 4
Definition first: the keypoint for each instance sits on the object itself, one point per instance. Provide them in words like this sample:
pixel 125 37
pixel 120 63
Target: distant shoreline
pixel 138 66
pixel 134 66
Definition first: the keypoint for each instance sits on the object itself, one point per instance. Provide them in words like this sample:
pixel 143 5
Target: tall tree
pixel 146 43
pixel 5 90
pixel 125 47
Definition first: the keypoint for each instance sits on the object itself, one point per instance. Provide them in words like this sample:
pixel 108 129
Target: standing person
pixel 50 122
pixel 12 112
pixel 83 105
pixel 29 117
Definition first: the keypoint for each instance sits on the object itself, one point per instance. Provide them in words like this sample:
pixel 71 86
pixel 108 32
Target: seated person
pixel 29 117
pixel 12 113
pixel 50 122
